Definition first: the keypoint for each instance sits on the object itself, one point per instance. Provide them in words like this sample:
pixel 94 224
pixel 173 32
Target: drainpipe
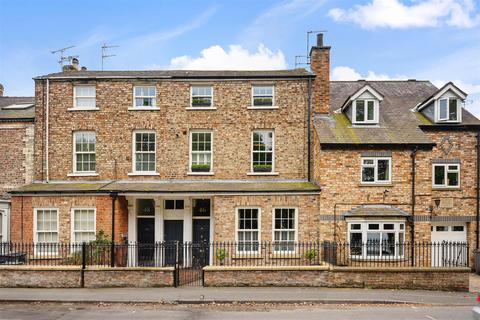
pixel 478 190
pixel 114 196
pixel 46 131
pixel 309 117
pixel 412 229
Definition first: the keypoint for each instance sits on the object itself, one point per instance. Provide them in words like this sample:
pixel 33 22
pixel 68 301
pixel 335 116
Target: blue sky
pixel 438 40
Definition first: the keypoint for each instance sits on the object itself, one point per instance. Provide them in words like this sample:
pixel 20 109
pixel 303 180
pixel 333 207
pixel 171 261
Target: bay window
pixel 376 238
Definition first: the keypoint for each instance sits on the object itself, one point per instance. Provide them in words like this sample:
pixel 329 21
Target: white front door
pixel 445 253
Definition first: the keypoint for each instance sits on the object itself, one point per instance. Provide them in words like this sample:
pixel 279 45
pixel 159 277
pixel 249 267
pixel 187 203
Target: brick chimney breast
pixel 320 66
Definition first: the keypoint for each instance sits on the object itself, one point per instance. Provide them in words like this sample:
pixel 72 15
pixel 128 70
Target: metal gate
pixel 189 270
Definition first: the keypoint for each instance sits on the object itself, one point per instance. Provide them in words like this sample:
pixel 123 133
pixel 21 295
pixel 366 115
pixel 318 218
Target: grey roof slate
pixel 16 114
pixel 376 211
pixel 182 74
pixel 398 125
pixel 168 187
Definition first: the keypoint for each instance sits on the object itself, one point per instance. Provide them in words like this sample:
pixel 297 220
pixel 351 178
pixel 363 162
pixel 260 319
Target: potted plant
pixel 221 255
pixel 310 255
pixel 262 168
pixel 200 167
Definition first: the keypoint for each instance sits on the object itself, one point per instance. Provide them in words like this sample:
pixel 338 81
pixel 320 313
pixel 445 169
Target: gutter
pixel 17 120
pixel 176 78
pixel 336 145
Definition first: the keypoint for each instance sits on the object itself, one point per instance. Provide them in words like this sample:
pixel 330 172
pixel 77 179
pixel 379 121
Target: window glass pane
pixel 383 170
pixel 169 204
pixel 388 244
pixel 439 175
pixel 201 96
pixel 356 244
pixel 370 110
pixel 373 226
pixel 368 174
pixel 355 226
pixel 458 228
pixel 452 109
pixel 443 109
pixel 262 96
pixel 388 226
pixel 360 111
pixel 145 207
pixel 452 178
pixel 373 243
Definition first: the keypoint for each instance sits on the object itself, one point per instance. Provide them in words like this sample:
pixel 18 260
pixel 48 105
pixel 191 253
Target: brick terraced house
pixel 249 156
pixel 17 117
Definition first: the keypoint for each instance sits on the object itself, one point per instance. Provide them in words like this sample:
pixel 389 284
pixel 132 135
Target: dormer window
pixel 449 109
pixel 365 111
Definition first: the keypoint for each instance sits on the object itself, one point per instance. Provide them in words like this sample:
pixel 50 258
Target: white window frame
pixel 190 152
pixel 364 231
pixel 37 250
pixel 192 107
pixel 75 153
pixel 258 230
pixel 252 172
pixel 253 106
pixel 72 223
pixel 295 241
pixel 375 166
pixel 134 152
pixel 75 107
pixel 153 107
pixel 366 121
pixel 438 118
pixel 447 170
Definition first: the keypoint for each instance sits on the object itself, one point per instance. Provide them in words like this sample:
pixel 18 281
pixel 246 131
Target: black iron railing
pixel 195 255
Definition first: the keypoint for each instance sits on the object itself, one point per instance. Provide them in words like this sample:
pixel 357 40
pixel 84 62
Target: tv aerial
pixel 105 47
pixel 63 59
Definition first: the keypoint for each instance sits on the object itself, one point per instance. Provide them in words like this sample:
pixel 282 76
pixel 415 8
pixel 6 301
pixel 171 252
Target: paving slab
pixel 238 295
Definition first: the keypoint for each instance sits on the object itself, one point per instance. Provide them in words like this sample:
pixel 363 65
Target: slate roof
pixel 16 114
pixel 181 74
pixel 398 125
pixel 376 211
pixel 169 187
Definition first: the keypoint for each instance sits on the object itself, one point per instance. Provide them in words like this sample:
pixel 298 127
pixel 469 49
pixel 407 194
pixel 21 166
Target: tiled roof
pixel 398 125
pixel 16 114
pixel 169 187
pixel 182 74
pixel 376 211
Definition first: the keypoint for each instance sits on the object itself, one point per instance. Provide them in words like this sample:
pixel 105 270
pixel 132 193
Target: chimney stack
pixel 71 67
pixel 1 90
pixel 320 66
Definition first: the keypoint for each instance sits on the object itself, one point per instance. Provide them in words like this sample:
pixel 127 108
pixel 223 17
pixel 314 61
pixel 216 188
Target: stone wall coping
pixel 40 268
pixel 399 269
pixel 132 269
pixel 266 268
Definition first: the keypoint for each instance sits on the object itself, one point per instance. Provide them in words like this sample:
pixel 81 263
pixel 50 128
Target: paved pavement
pixel 47 311
pixel 238 295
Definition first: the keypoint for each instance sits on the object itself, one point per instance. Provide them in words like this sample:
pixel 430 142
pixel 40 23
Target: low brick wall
pixel 71 277
pixel 128 277
pixel 40 277
pixel 340 277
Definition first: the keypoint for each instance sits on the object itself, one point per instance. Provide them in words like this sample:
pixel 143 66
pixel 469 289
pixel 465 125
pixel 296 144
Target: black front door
pixel 146 241
pixel 201 238
pixel 173 233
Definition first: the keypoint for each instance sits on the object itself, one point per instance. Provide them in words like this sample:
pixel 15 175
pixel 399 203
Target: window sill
pixel 446 189
pixel 83 109
pixel 375 185
pixel 262 174
pixel 143 108
pixel 82 174
pixel 262 108
pixel 143 174
pixel 200 108
pixel 200 173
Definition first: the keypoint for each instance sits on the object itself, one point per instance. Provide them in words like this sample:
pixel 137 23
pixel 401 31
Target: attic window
pixel 448 109
pixel 365 111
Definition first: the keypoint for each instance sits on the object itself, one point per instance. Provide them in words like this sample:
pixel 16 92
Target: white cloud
pixel 344 73
pixel 397 15
pixel 235 58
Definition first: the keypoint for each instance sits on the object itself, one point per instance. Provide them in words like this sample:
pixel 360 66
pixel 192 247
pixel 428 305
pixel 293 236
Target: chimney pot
pixel 75 63
pixel 319 39
pixel 1 90
pixel 84 68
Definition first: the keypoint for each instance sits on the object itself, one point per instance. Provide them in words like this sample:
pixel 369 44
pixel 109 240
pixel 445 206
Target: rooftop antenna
pixel 104 51
pixel 63 59
pixel 307 53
